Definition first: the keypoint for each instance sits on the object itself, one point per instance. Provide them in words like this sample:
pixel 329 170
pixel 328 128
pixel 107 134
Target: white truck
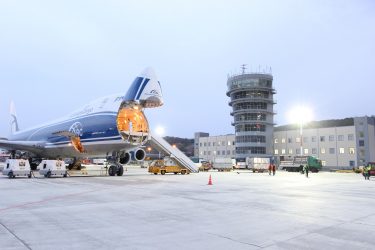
pixel 17 167
pixel 257 164
pixel 223 164
pixel 52 167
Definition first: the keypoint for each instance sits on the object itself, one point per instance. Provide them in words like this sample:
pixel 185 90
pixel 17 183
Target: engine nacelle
pixel 139 155
pixel 124 158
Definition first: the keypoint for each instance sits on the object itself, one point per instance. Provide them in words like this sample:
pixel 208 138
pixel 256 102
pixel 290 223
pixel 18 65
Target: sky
pixel 56 56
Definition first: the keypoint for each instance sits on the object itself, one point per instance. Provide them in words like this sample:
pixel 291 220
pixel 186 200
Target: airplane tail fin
pixel 13 119
pixel 145 90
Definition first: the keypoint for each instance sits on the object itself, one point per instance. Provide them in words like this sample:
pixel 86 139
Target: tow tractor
pixel 49 168
pixel 166 165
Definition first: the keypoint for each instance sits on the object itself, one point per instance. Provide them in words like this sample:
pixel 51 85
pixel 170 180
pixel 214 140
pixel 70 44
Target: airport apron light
pixel 132 124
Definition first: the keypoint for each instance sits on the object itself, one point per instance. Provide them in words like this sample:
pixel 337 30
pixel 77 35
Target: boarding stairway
pixel 163 146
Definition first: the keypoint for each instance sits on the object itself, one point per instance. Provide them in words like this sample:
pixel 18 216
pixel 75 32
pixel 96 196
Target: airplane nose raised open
pixel 144 92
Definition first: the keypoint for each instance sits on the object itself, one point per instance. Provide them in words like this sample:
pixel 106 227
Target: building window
pixel 218 152
pixel 350 137
pixel 233 152
pixel 331 138
pixel 306 151
pixel 289 140
pixel 201 152
pixel 223 143
pixel 213 144
pixel 313 139
pixel 324 163
pixel 209 152
pixel 223 152
pixel 204 152
pixel 219 143
pixel 340 137
pixel 362 152
pixel 298 139
pixel 322 138
pixel 232 143
pixel 228 143
pixel 276 151
pixel 205 144
pixel 283 151
pixel 322 150
pixel 276 140
pixel 361 143
pixel 351 151
pixel 331 150
pixel 305 139
pixel 282 140
pixel 361 134
pixel 298 151
pixel 341 150
pixel 228 152
pixel 290 151
pixel 209 144
pixel 313 151
pixel 214 152
pixel 352 164
pixel 200 144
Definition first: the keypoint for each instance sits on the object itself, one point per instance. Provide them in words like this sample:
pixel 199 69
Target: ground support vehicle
pixel 313 163
pixel 371 166
pixel 17 167
pixel 205 166
pixel 257 164
pixel 223 164
pixel 50 168
pixel 166 165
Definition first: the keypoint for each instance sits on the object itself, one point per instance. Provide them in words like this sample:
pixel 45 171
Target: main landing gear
pixel 115 169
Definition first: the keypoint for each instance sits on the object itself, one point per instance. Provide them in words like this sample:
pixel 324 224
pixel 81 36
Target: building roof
pixel 318 124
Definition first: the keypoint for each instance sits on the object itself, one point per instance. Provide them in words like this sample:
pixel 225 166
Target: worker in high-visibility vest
pixel 306 169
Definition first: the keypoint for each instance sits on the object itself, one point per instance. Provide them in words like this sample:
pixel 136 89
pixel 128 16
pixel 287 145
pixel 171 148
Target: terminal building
pixel 340 144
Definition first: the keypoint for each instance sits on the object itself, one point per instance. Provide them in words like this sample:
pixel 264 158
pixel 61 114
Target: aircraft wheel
pixel 48 174
pixel 10 175
pixel 120 171
pixel 65 175
pixel 163 172
pixel 112 171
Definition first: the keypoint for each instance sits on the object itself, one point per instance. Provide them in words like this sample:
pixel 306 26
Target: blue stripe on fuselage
pixel 132 92
pixel 142 88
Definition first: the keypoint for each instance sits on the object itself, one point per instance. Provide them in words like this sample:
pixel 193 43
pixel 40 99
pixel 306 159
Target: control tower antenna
pixel 243 67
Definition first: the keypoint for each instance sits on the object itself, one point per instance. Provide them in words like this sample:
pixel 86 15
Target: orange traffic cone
pixel 209 181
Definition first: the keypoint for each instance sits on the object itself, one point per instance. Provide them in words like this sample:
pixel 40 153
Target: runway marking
pixel 228 238
pixel 15 236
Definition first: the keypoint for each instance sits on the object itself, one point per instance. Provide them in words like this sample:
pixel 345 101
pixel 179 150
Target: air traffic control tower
pixel 251 99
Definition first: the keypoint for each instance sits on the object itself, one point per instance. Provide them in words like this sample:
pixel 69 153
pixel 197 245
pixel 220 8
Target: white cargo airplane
pixel 113 126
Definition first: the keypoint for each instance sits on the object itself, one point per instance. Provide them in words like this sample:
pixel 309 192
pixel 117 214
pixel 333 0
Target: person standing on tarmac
pixel 366 173
pixel 269 169
pixel 306 169
pixel 273 169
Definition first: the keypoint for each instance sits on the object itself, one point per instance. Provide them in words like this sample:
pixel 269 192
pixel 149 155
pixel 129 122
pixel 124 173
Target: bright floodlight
pixel 159 130
pixel 300 115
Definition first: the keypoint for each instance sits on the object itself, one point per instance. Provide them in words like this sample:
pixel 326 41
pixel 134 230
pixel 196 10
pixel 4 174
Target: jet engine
pixel 124 158
pixel 139 155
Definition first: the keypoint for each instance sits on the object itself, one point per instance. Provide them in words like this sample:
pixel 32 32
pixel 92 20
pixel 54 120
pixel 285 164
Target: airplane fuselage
pixel 95 124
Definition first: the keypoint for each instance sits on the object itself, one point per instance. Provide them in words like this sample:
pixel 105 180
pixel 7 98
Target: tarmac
pixel 241 210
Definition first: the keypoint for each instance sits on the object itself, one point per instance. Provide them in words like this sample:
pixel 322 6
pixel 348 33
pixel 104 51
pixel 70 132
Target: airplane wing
pixel 32 146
